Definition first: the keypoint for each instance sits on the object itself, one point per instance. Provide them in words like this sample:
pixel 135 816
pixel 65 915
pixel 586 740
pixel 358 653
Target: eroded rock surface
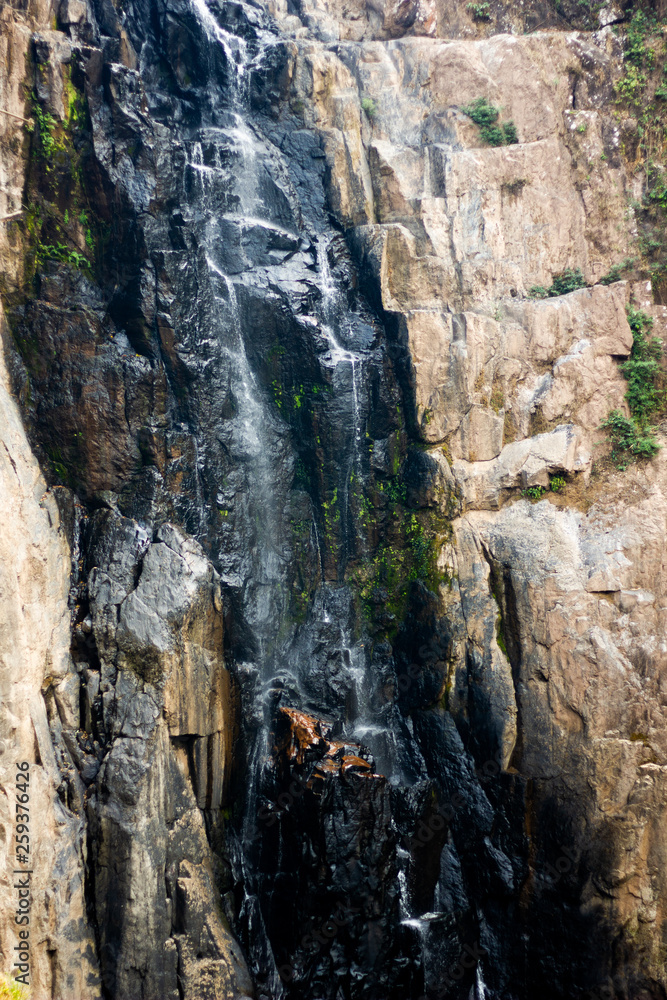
pixel 35 658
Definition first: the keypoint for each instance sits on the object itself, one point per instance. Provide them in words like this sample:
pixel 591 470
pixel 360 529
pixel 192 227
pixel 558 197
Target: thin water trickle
pixel 235 48
pixel 332 326
pixel 478 991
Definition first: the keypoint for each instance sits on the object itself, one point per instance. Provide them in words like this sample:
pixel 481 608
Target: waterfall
pixel 318 661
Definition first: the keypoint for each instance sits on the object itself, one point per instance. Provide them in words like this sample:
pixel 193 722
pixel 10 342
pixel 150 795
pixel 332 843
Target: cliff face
pixel 570 703
pixel 337 638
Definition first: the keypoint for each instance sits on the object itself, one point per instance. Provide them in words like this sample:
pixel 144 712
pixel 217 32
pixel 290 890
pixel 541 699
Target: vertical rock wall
pixel 535 715
pixel 125 893
pixel 34 657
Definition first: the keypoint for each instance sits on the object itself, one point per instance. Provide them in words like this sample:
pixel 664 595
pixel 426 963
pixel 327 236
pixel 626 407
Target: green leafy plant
pixel 62 254
pixel 557 484
pixel 634 437
pixel 643 368
pixel 617 271
pixel 480 11
pixel 628 441
pixel 277 393
pixel 46 126
pixel 369 107
pixel 297 397
pixel 486 116
pixel 568 281
pixel 630 85
pixel 533 492
pixel 639 27
pixel 538 292
pixel 511 134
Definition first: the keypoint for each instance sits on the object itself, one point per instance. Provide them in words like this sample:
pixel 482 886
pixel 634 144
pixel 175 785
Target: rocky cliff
pixel 336 496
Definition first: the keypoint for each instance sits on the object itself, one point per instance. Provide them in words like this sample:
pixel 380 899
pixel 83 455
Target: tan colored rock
pixel 585 622
pixel 481 435
pixel 496 220
pixel 34 654
pixel 485 485
pixel 336 112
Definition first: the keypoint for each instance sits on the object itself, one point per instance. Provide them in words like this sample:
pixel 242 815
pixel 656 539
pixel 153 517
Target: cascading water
pixel 335 781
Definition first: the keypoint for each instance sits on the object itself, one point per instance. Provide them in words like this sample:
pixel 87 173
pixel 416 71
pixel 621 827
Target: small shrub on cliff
pixel 568 281
pixel 486 116
pixel 633 437
pixel 511 134
pixel 556 484
pixel 643 369
pixel 538 292
pixel 617 271
pixel 628 441
pixel 480 11
pixel 369 107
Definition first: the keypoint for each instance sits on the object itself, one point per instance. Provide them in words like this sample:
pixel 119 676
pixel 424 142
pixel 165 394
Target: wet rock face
pixel 160 703
pixel 330 899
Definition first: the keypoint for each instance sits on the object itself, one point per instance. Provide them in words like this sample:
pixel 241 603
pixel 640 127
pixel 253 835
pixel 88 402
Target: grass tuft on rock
pixel 486 116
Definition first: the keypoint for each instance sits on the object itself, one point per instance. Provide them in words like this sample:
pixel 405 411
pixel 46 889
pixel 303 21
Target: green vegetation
pixel 500 633
pixel 369 107
pixel 628 441
pixel 407 553
pixel 641 97
pixel 62 254
pixel 56 224
pixel 634 437
pixel 557 484
pixel 510 133
pixel 11 990
pixel 480 11
pixel 497 399
pixel 643 370
pixel 630 85
pixel 616 272
pixel 533 492
pixel 486 116
pixel 331 515
pixel 568 281
pixel 47 143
